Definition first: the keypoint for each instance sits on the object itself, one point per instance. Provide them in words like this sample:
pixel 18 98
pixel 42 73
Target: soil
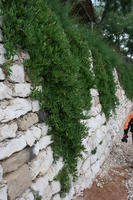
pixel 115 180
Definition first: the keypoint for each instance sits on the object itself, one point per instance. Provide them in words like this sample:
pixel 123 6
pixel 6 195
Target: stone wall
pixel 26 158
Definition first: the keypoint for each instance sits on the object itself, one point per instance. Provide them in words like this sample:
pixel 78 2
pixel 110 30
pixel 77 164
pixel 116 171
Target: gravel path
pixel 115 181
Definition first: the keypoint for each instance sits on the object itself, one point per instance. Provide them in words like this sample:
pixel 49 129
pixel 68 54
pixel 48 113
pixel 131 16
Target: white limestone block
pixel 2 49
pixel 54 169
pixel 5 92
pixel 12 146
pixel 44 142
pixel 94 92
pixel 2 59
pixel 94 111
pixel 95 168
pixel 15 109
pixel 8 131
pixel 86 165
pixel 2 75
pixel 17 73
pixel 41 163
pixel 96 122
pixel 3 192
pixel 44 128
pixel 55 187
pixel 56 197
pixel 40 185
pixel 22 89
pixel 1 173
pixel 28 195
pixel 32 134
pixel 35 106
pixel 47 194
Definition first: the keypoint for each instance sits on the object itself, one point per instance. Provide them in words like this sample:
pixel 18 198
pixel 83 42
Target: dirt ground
pixel 115 181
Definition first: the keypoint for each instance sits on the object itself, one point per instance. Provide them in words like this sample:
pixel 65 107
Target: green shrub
pixel 59 50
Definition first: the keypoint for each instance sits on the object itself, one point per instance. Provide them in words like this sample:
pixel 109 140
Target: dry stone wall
pixel 26 158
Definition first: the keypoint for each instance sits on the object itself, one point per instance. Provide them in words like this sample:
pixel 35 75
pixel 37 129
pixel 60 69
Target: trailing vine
pixel 59 50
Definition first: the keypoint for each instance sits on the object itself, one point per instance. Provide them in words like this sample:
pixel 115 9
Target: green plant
pixel 101 142
pixel 94 151
pixel 37 196
pixel 59 50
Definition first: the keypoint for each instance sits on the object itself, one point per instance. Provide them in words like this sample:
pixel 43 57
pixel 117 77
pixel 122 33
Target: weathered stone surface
pixel 8 131
pixel 47 194
pixel 15 109
pixel 2 75
pixel 18 182
pixel 54 169
pixel 96 122
pixel 5 92
pixel 55 186
pixel 94 92
pixel 56 197
pixel 1 173
pixel 28 195
pixel 14 145
pixel 17 73
pixel 42 163
pixel 27 121
pixel 2 49
pixel 40 184
pixel 86 165
pixel 2 59
pixel 16 161
pixel 32 134
pixel 44 142
pixel 22 89
pixel 35 106
pixel 3 192
pixel 44 128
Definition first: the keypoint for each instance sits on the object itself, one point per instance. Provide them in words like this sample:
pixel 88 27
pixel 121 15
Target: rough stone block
pixel 54 169
pixel 22 89
pixel 35 106
pixel 5 92
pixel 12 146
pixel 16 161
pixel 18 182
pixel 47 194
pixel 15 109
pixel 2 59
pixel 94 92
pixel 3 192
pixel 27 121
pixel 44 142
pixel 42 163
pixel 56 197
pixel 28 195
pixel 8 131
pixel 17 73
pixel 44 128
pixel 32 134
pixel 55 187
pixel 85 165
pixel 40 184
pixel 2 49
pixel 2 75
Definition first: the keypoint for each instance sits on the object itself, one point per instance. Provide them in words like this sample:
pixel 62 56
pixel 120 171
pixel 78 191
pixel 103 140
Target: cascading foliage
pixel 59 50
